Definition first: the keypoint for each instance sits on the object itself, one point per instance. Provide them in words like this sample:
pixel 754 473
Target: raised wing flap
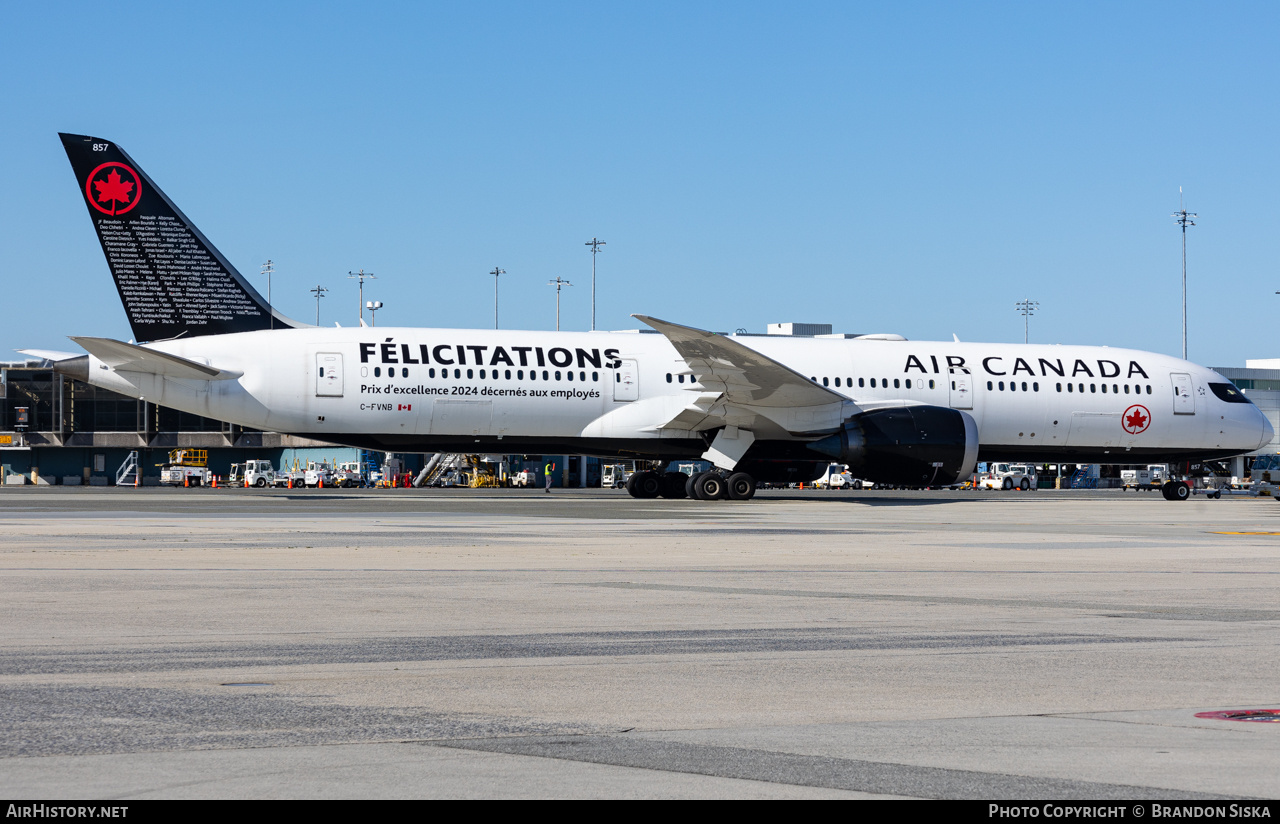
pixel 129 357
pixel 744 375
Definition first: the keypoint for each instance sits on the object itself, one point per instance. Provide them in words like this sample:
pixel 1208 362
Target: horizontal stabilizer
pixel 51 355
pixel 744 375
pixel 129 357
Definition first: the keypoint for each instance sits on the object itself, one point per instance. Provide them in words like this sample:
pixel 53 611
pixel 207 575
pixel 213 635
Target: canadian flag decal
pixel 404 407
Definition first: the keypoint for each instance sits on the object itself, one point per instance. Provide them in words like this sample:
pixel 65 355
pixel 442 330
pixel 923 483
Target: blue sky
pixel 911 168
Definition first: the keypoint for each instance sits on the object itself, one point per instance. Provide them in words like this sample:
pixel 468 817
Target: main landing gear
pixel 704 486
pixel 1176 490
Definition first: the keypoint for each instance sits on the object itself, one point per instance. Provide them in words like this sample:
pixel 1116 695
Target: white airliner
pixel 769 408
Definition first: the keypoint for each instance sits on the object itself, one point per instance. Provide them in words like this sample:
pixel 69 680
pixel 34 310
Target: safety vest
pixel 550 468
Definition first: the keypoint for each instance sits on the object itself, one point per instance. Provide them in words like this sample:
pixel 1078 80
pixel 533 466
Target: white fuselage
pixel 611 393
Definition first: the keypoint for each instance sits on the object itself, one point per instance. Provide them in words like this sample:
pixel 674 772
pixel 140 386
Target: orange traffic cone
pixel 320 482
pixel 291 482
pixel 215 481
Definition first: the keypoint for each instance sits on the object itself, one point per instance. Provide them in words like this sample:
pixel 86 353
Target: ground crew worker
pixel 549 468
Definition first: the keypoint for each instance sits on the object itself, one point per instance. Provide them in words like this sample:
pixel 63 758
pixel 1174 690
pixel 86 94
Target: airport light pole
pixel 1184 219
pixel 373 306
pixel 496 271
pixel 319 293
pixel 362 274
pixel 267 269
pixel 558 282
pixel 595 244
pixel 1028 308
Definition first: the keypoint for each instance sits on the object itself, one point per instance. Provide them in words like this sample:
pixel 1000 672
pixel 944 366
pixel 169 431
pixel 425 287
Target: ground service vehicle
pixel 186 467
pixel 318 473
pixel 1144 480
pixel 1008 476
pixel 769 408
pixel 614 476
pixel 349 474
pixel 525 478
pixel 1266 476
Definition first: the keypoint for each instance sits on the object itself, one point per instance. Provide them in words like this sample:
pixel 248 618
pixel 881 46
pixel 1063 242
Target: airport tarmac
pixel 237 643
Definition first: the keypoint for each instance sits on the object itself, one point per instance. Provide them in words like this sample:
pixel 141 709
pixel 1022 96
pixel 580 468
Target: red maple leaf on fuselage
pixel 1137 420
pixel 113 188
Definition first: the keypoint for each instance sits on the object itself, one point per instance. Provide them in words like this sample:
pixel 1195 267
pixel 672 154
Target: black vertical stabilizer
pixel 171 279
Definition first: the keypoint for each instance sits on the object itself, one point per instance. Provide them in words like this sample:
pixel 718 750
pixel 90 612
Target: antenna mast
pixel 1028 308
pixel 319 293
pixel 267 270
pixel 1184 219
pixel 558 282
pixel 496 271
pixel 595 244
pixel 362 274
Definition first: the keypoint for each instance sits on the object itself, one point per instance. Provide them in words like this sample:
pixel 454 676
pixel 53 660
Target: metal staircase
pixel 129 474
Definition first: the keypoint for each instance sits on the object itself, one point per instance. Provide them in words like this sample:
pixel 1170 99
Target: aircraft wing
pixel 743 375
pixel 129 357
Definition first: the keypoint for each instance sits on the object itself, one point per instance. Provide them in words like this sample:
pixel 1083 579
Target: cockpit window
pixel 1228 393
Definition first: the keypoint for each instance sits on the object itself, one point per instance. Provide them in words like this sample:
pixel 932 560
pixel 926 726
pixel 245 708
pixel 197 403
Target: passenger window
pixel 1036 387
pixel 1024 386
pixel 837 383
pixel 508 375
pixel 582 376
pixel 481 374
pixel 931 383
pixel 1126 389
pixel 1115 390
pixel 680 378
pixel 595 376
pixel 432 371
pixel 873 383
pixel 533 376
pixel 826 381
pixel 1093 387
pixel 546 376
pixel 520 374
pixel 1069 386
pixel 1148 389
pixel 895 384
pixel 861 381
pixel 557 374
pixel 569 375
pixel 668 377
pixel 377 371
pixel 1001 386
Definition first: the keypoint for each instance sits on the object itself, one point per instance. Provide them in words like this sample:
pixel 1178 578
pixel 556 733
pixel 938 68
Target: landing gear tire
pixel 1008 484
pixel 1025 484
pixel 1175 491
pixel 673 485
pixel 645 485
pixel 741 487
pixel 691 486
pixel 712 487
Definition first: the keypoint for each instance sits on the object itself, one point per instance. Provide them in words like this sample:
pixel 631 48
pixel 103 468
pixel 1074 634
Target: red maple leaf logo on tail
pixel 113 193
pixel 113 188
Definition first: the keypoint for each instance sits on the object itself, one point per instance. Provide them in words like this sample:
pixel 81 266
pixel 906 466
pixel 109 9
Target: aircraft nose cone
pixel 1268 431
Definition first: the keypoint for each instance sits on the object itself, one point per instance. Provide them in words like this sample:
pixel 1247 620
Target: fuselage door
pixel 626 381
pixel 1184 402
pixel 328 375
pixel 961 388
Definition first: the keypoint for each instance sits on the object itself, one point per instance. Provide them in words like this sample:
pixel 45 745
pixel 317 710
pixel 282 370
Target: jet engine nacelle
pixel 906 445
